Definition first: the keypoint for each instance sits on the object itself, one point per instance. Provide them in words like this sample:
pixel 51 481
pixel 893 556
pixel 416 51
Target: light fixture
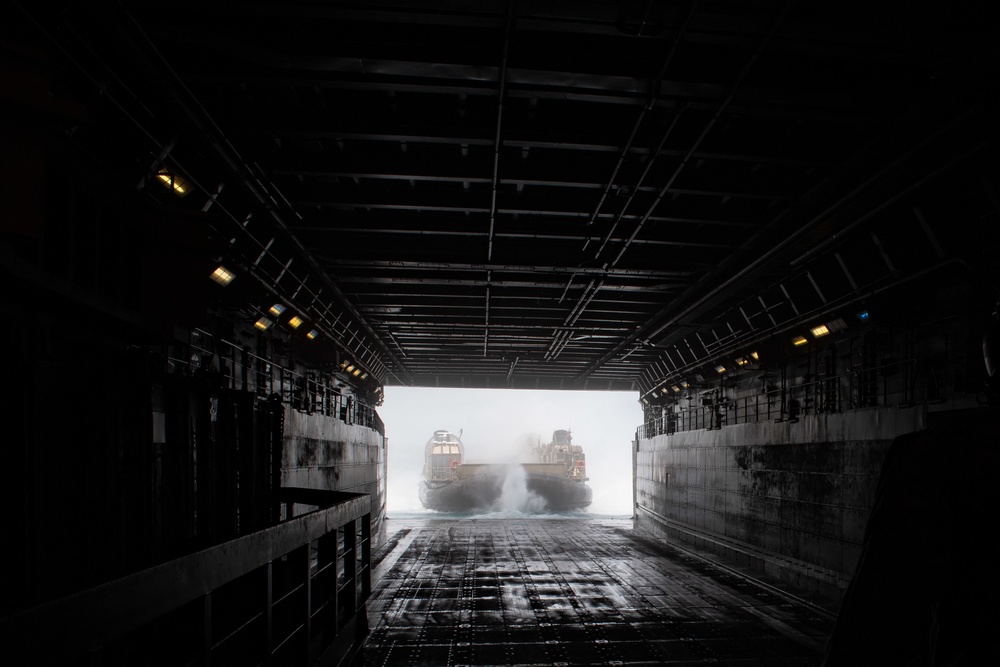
pixel 312 335
pixel 664 390
pixel 357 372
pixel 263 323
pixel 277 309
pixel 836 325
pixel 755 356
pixel 177 185
pixel 295 322
pixel 819 331
pixel 799 340
pixel 742 361
pixel 685 385
pixel 863 316
pixel 350 367
pixel 343 363
pixel 363 376
pixel 720 368
pixel 676 388
pixel 222 275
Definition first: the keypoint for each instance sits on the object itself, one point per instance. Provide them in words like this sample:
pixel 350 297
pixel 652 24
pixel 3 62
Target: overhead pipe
pixel 631 338
pixel 635 189
pixel 225 150
pixel 165 148
pixel 793 237
pixel 486 324
pixel 646 108
pixel 794 322
pixel 568 333
pixel 833 238
pixel 501 92
pixel 560 335
pixel 564 331
pixel 511 371
pixel 701 137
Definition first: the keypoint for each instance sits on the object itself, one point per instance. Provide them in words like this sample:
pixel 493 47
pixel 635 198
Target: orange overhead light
pixel 276 309
pixel 720 368
pixel 263 323
pixel 295 322
pixel 222 275
pixel 177 185
pixel 312 335
pixel 819 331
pixel 799 340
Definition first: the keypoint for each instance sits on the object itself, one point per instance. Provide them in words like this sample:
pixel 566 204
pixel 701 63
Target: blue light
pixel 863 316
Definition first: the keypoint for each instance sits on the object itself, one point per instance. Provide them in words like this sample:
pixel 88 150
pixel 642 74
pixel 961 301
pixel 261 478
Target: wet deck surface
pixel 570 592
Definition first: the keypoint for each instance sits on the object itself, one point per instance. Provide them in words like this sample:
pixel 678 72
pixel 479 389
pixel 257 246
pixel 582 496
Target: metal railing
pixel 241 369
pixel 828 394
pixel 291 594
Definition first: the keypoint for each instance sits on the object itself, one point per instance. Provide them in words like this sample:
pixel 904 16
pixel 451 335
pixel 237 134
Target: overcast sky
pixel 495 421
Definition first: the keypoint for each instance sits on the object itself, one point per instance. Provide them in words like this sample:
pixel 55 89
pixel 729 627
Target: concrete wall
pixel 790 499
pixel 321 452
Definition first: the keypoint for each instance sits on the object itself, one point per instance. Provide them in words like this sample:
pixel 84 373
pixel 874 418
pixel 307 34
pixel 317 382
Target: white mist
pixel 515 496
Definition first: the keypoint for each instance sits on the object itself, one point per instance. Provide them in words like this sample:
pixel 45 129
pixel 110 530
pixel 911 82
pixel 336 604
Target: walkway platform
pixel 574 591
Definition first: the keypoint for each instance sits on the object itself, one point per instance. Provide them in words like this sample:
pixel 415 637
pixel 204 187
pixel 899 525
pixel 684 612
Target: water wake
pixel 516 497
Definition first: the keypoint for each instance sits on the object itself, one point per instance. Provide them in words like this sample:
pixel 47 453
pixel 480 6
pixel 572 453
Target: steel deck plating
pixel 574 591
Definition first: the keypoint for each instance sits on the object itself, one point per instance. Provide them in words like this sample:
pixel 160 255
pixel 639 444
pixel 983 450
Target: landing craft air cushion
pixel 555 473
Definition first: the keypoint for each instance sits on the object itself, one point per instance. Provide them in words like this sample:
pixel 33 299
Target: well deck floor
pixel 587 591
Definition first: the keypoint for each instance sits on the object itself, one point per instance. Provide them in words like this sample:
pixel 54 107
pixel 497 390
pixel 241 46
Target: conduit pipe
pixel 646 108
pixel 687 157
pixel 225 150
pixel 792 323
pixel 711 123
pixel 501 92
pixel 635 189
pixel 782 245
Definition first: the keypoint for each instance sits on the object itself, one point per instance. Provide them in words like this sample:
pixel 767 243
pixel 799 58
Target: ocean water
pixel 501 514
pixel 515 502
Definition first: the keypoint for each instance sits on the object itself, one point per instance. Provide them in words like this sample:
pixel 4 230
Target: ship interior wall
pixel 776 467
pixel 326 452
pixel 789 499
pixel 145 421
pixel 115 466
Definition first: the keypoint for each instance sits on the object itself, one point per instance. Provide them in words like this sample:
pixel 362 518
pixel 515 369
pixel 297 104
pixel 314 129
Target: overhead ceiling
pixel 554 194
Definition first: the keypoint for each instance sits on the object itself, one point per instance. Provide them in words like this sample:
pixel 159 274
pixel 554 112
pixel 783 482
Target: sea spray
pixel 515 495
